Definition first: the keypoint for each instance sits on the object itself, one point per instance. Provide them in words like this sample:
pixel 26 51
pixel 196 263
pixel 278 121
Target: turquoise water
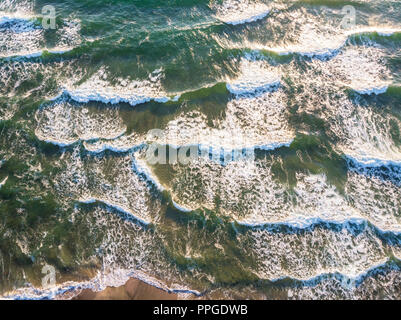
pixel 311 93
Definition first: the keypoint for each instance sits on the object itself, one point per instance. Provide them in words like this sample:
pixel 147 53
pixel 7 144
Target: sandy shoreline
pixel 133 289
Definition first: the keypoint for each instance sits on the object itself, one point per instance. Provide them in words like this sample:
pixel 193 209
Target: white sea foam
pixel 328 42
pixel 308 36
pixel 13 19
pixel 113 278
pixel 249 122
pixel 263 115
pixel 19 37
pixel 315 199
pixel 314 43
pixel 301 256
pixel 2 183
pixel 353 277
pixel 108 180
pixel 372 90
pixel 114 206
pixel 36 54
pixel 363 71
pixel 248 192
pixel 385 31
pixel 365 135
pixel 24 40
pixel 264 118
pixel 221 147
pixel 22 37
pixel 381 278
pixel 325 43
pixel 346 255
pixel 64 123
pixel 240 11
pixel 376 197
pixel 15 72
pixel 97 88
pixel 256 198
pixel 140 167
pixel 373 162
pixel 122 143
pixel 362 132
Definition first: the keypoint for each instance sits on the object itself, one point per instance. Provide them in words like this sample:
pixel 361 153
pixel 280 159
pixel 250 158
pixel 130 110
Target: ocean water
pixel 311 89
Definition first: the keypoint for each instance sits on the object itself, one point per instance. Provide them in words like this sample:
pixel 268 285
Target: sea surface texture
pixel 293 109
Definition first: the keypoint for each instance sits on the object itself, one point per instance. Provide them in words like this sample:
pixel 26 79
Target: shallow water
pixel 313 95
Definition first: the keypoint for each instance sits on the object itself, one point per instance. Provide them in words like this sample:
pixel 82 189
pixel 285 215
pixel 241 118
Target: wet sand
pixel 133 289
